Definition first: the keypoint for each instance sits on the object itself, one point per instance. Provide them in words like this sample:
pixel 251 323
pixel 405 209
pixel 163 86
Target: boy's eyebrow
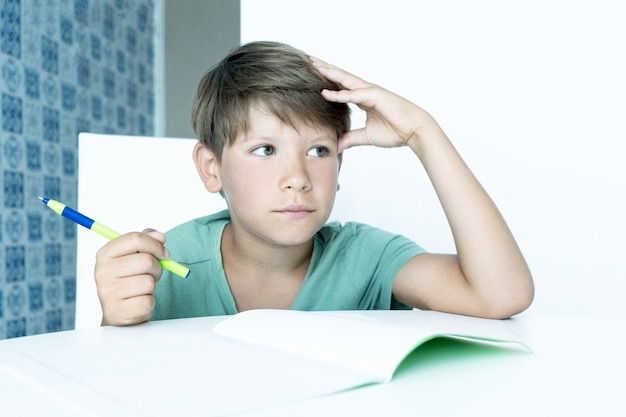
pixel 249 136
pixel 329 138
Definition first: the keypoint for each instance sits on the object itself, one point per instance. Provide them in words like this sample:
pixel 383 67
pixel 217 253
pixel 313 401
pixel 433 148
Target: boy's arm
pixel 488 277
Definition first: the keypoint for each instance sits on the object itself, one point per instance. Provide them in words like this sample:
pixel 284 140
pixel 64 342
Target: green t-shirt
pixel 352 268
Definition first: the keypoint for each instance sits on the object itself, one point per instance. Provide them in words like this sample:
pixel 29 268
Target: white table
pixel 577 368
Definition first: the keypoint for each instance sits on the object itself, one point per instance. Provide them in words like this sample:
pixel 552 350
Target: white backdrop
pixel 533 94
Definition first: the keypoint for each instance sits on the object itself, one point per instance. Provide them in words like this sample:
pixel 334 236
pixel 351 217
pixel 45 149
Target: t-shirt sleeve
pixel 388 253
pixel 364 262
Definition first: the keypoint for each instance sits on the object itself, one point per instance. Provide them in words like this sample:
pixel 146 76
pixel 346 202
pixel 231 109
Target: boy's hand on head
pixel 391 121
pixel 127 270
pixel 489 276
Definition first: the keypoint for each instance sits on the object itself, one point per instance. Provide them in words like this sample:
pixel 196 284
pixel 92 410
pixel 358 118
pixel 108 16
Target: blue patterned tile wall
pixel 66 66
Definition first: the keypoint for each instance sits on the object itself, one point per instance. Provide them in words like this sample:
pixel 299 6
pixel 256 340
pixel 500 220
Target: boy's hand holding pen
pixel 135 258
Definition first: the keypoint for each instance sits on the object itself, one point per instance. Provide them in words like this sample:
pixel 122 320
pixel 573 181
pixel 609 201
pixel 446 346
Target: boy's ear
pixel 207 167
pixel 339 169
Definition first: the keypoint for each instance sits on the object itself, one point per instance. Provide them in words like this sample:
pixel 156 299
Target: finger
pixel 161 238
pixel 120 289
pixel 338 75
pixel 139 263
pixel 361 97
pixel 133 242
pixel 154 234
pixel 351 139
pixel 139 308
pixel 127 300
pixel 129 287
pixel 125 277
pixel 129 311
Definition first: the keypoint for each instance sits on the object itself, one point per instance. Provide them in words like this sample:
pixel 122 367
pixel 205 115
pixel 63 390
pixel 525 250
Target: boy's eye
pixel 264 150
pixel 319 151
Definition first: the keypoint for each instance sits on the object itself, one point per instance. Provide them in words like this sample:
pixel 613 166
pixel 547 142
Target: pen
pixel 102 230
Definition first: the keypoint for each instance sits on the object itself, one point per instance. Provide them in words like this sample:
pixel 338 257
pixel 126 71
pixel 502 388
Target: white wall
pixel 154 186
pixel 533 94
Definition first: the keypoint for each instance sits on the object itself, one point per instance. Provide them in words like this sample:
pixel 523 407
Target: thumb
pixel 350 139
pixel 156 235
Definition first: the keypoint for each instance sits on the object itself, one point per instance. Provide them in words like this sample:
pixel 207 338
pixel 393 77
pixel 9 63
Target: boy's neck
pixel 263 276
pixel 265 259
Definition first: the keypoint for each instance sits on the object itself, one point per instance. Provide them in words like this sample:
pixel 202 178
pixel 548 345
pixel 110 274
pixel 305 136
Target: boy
pixel 272 124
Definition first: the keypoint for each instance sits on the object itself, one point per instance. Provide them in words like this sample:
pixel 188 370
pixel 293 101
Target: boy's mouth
pixel 296 211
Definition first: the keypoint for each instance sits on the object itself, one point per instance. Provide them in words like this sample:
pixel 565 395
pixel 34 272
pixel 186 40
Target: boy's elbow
pixel 513 300
pixel 524 296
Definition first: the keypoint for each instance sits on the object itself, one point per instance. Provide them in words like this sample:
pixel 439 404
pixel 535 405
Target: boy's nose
pixel 296 177
pixel 298 187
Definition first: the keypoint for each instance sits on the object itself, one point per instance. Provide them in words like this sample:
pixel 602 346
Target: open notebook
pixel 249 361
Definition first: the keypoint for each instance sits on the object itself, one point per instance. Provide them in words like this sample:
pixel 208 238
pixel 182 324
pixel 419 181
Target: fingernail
pixel 166 253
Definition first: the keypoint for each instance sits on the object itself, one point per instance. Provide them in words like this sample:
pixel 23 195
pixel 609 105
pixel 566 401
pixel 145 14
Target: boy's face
pixel 279 182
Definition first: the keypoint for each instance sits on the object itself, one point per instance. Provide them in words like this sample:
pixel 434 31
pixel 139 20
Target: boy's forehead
pixel 261 121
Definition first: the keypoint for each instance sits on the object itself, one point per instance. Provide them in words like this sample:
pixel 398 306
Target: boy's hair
pixel 273 75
